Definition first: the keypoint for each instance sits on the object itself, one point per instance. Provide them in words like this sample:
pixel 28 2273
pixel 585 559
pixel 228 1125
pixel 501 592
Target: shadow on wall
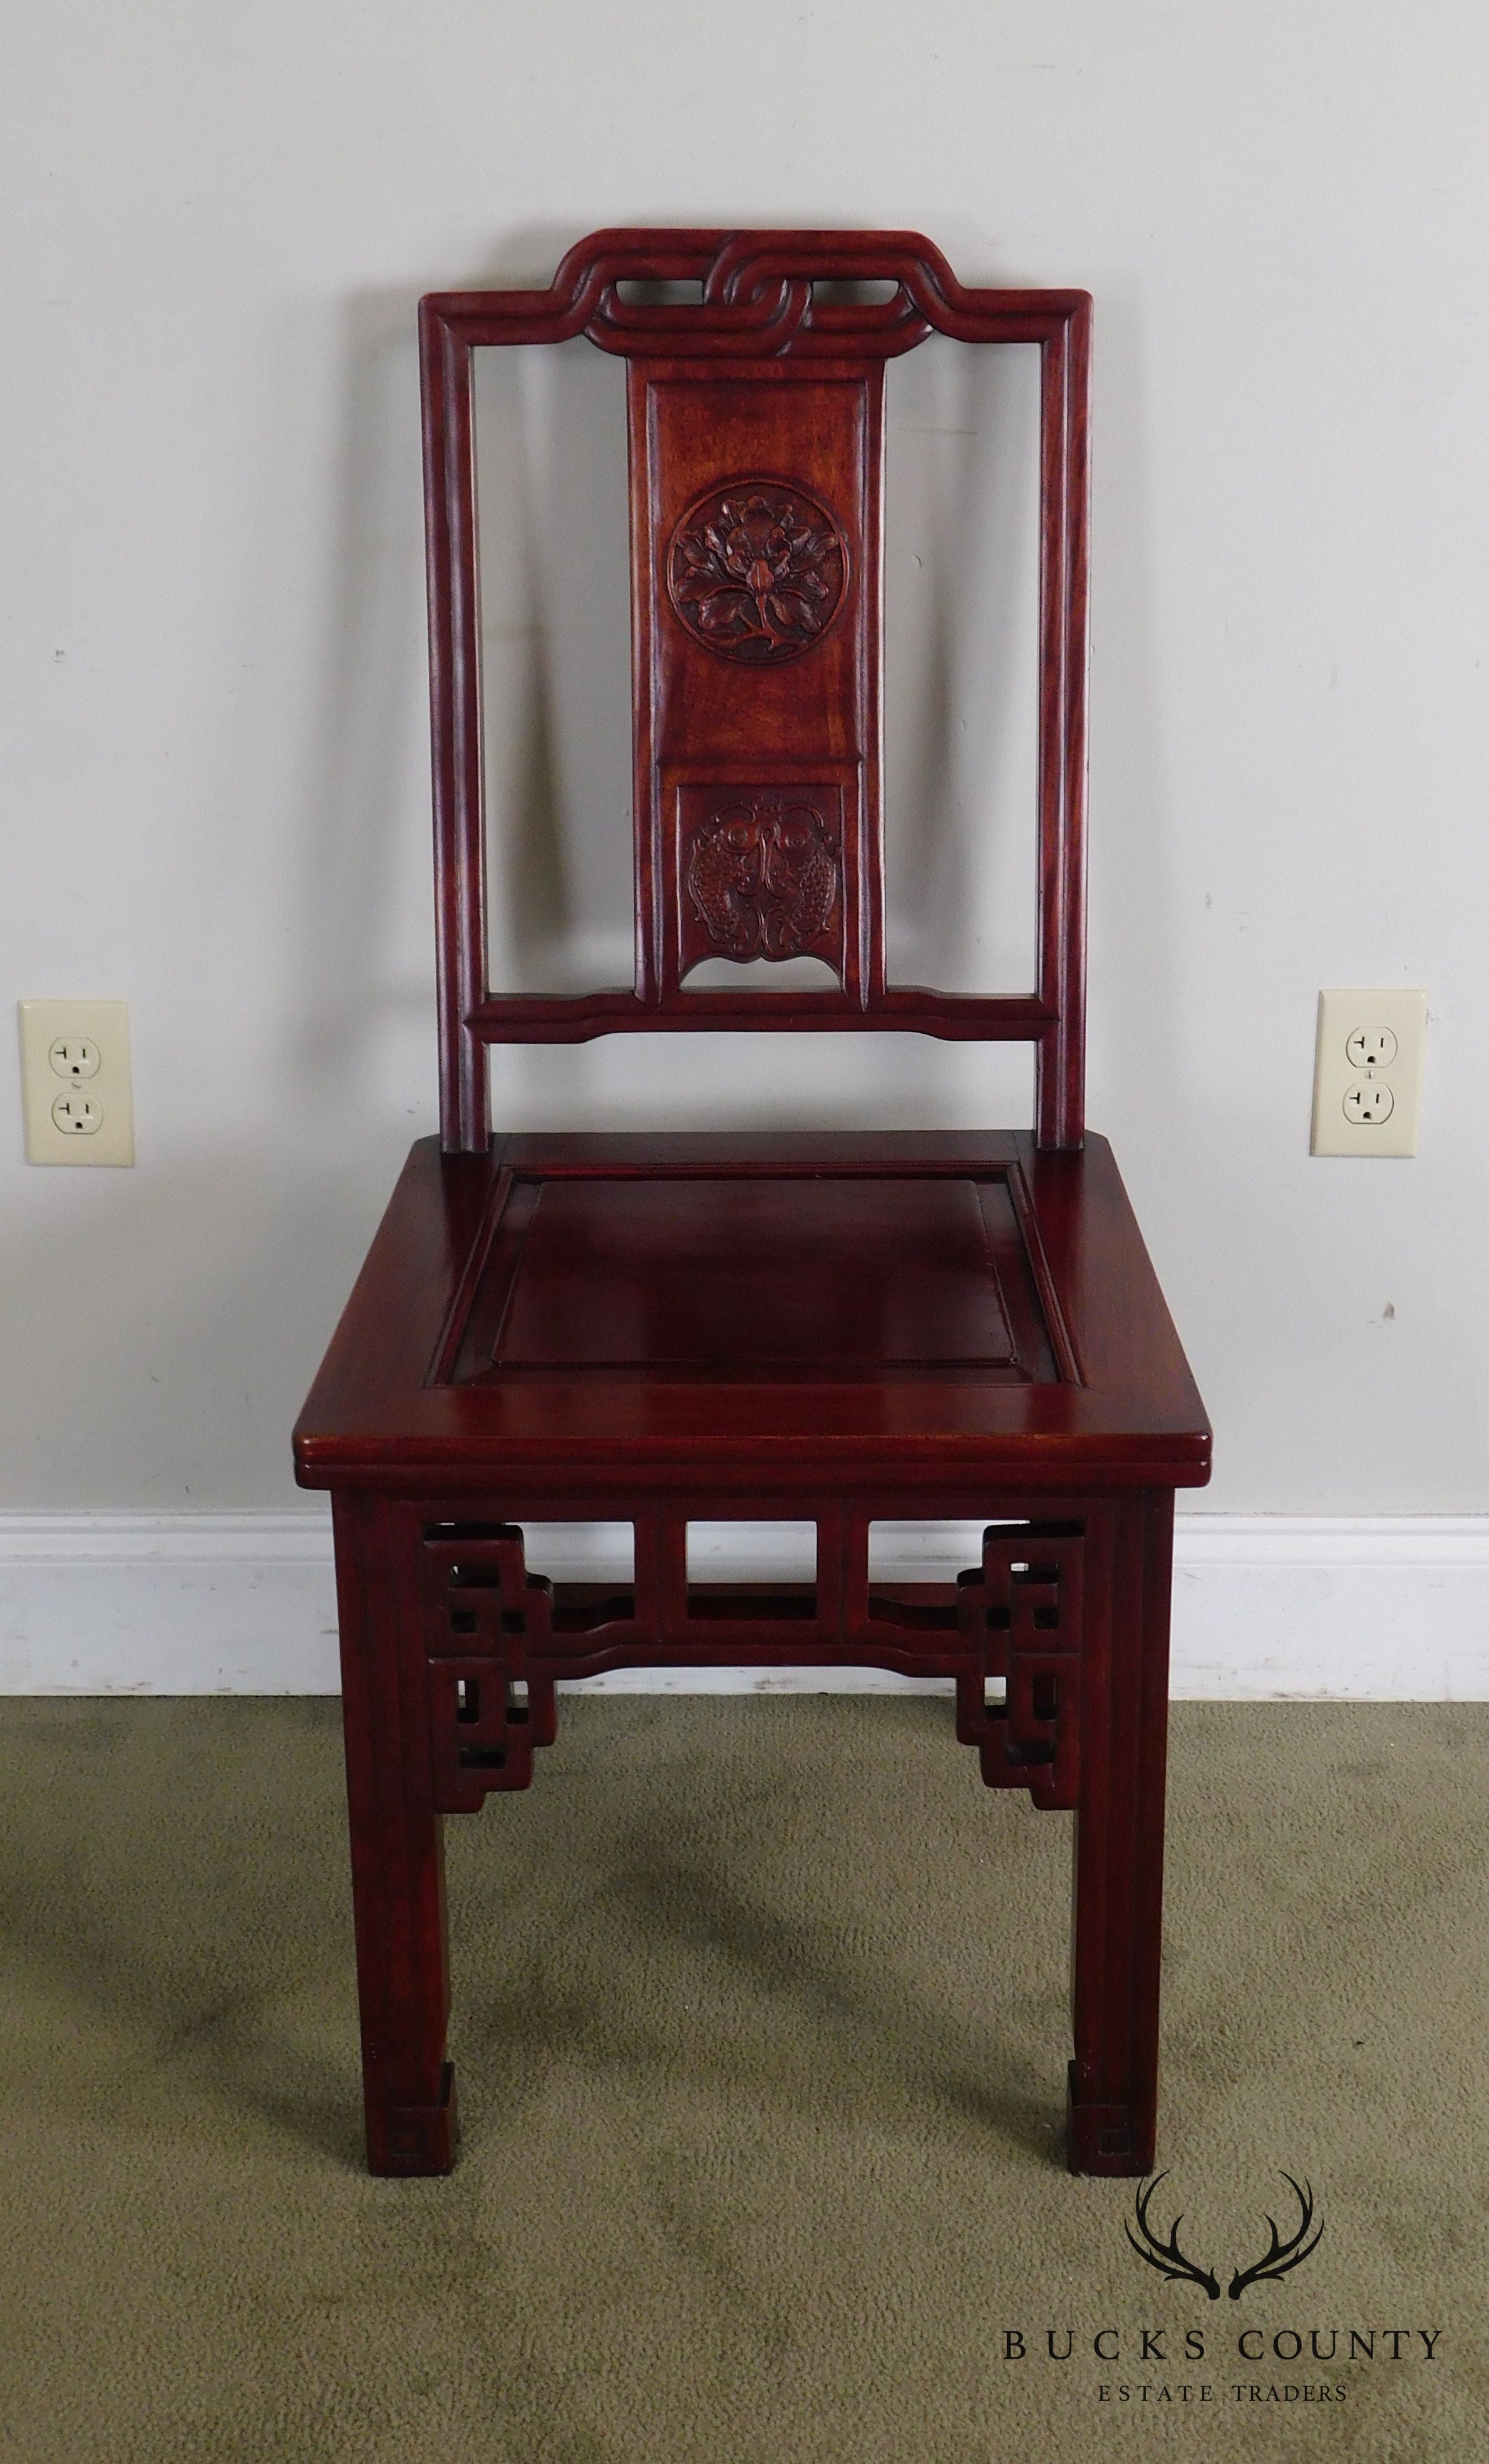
pixel 367 771
pixel 366 837
pixel 1140 1089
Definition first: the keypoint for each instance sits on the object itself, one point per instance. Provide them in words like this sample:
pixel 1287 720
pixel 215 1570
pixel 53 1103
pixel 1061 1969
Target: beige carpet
pixel 759 2020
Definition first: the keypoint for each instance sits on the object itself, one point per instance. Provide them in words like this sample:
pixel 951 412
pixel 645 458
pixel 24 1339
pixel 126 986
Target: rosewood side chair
pixel 656 1328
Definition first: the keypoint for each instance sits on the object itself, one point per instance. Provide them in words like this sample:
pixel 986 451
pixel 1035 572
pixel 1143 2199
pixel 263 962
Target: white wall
pixel 217 222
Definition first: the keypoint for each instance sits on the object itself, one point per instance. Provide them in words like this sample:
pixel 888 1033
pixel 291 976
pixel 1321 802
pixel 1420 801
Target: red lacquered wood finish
pixel 756 487
pixel 837 1328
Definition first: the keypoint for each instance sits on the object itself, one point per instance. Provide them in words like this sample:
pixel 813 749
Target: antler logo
pixel 1277 2260
pixel 1166 2255
pixel 1283 2255
pixel 756 571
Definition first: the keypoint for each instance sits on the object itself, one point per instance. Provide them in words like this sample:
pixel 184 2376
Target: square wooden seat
pixel 837 1330
pixel 604 1300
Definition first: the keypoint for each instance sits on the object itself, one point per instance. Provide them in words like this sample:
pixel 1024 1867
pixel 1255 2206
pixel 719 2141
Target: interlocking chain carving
pixel 1020 1701
pixel 484 1618
pixel 762 296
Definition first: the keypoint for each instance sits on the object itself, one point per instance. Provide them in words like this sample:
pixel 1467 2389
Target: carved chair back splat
pixel 671 1329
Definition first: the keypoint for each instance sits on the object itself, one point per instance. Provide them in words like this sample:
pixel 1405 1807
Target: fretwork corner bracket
pixel 490 1659
pixel 485 1618
pixel 1020 1701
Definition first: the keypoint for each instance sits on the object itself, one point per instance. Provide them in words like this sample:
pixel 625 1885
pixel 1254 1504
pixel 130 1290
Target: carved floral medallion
pixel 756 570
pixel 763 878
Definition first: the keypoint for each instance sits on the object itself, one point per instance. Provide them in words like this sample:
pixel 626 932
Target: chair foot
pixel 1111 2138
pixel 410 2138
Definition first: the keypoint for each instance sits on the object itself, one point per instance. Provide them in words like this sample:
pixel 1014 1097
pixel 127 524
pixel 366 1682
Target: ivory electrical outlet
pixel 74 1076
pixel 1368 1073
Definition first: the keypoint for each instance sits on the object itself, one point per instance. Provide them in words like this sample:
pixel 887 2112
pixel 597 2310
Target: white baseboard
pixel 1384 1608
pixel 167 1604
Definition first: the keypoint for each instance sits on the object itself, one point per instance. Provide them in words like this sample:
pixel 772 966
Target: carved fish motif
pixel 763 878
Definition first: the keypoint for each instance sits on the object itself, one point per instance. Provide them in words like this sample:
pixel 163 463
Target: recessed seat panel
pixel 732 1276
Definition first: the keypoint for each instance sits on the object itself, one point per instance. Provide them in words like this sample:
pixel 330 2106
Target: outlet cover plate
pixel 104 1024
pixel 1384 1018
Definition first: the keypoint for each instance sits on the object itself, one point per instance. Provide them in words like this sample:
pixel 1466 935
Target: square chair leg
pixel 398 1853
pixel 1117 1919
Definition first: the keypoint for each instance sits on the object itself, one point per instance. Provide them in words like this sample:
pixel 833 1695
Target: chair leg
pixel 1118 1912
pixel 397 1848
